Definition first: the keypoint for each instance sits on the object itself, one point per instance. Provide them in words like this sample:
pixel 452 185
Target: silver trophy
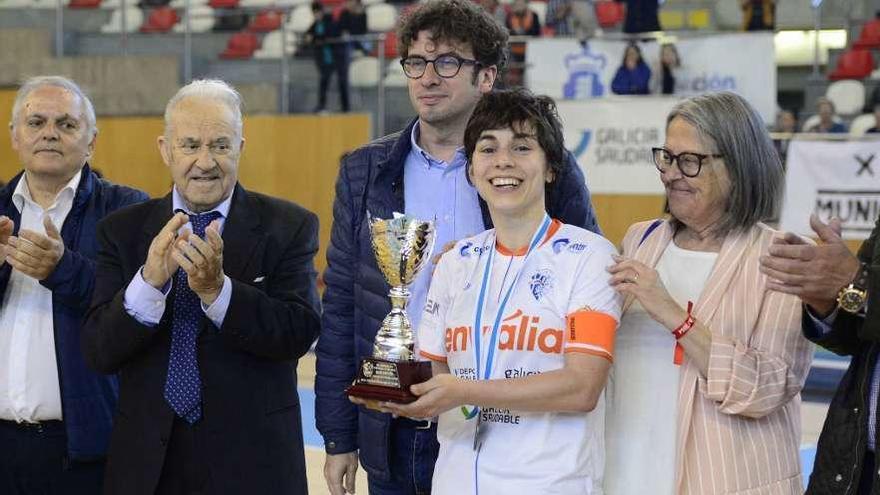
pixel 402 246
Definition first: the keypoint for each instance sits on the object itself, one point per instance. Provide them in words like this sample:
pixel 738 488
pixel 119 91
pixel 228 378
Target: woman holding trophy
pixel 519 323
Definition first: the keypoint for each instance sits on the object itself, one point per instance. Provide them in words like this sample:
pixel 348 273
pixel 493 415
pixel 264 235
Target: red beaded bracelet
pixel 685 327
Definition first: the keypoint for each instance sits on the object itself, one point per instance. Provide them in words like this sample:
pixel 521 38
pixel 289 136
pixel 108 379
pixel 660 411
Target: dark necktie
pixel 183 386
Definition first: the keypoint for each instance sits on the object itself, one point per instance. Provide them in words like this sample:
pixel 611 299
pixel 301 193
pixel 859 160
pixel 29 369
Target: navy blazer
pixel 87 398
pixel 250 406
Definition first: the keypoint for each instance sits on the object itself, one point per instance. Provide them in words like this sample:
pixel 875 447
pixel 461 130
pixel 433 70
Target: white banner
pixel 832 179
pixel 739 62
pixel 612 140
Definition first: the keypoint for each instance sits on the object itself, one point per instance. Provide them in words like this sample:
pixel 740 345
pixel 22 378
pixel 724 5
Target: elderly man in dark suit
pixel 204 300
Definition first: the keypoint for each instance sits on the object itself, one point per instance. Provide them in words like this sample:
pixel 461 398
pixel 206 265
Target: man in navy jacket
pixel 55 414
pixel 451 52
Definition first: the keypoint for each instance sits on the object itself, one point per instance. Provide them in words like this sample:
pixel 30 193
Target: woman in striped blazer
pixel 704 394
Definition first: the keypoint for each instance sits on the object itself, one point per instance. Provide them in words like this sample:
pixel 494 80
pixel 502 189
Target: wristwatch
pixel 852 297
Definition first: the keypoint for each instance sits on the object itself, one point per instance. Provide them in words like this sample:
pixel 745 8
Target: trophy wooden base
pixel 383 380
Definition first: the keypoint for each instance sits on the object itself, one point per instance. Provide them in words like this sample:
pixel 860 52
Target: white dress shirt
pixel 29 388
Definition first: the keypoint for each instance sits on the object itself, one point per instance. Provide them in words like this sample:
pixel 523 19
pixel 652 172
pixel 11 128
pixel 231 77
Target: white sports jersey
pixel 561 303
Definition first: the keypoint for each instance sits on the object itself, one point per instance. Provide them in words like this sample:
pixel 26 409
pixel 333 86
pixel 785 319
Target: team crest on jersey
pixel 541 283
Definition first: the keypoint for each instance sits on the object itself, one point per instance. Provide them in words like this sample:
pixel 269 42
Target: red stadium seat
pixel 161 20
pixel 610 14
pixel 241 46
pixel 853 64
pixel 336 14
pixel 390 46
pixel 223 4
pixel 870 35
pixel 84 4
pixel 265 21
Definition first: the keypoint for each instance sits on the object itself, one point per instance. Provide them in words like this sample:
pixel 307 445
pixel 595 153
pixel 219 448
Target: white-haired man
pixel 204 301
pixel 55 414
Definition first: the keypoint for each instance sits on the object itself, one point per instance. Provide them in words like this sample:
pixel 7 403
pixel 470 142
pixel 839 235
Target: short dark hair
pixel 456 21
pixel 317 6
pixel 506 108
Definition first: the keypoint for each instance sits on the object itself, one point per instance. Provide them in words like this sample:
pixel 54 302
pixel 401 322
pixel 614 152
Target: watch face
pixel 851 300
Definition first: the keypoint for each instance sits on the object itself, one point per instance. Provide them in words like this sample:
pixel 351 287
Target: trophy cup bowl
pixel 402 246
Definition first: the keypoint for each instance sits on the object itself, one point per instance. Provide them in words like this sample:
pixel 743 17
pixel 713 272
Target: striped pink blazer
pixel 739 428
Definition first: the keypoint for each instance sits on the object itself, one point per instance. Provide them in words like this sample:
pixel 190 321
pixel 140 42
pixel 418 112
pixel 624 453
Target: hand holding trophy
pixel 402 246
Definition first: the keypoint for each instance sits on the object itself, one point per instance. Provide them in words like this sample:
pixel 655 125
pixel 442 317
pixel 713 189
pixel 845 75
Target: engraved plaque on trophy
pixel 402 246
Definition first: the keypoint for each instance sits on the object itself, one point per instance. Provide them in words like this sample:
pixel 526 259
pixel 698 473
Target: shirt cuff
pixel 143 302
pixel 216 312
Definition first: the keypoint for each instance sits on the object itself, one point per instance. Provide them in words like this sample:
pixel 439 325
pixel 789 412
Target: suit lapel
pixel 242 235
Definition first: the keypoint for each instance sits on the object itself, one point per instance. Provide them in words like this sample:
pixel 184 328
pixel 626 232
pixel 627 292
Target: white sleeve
pixel 591 288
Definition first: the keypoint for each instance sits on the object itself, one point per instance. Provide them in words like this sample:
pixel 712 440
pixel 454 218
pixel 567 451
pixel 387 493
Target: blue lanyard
pixel 478 318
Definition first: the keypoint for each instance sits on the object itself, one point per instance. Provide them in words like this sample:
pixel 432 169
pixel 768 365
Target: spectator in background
pixel 331 55
pixel 669 62
pixel 572 18
pixel 633 76
pixel 876 128
pixel 786 122
pixel 641 16
pixel 828 121
pixel 758 15
pixel 495 10
pixel 353 21
pixel 523 21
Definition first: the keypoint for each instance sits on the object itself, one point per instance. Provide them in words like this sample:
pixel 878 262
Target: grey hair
pixel 35 83
pixel 728 122
pixel 211 89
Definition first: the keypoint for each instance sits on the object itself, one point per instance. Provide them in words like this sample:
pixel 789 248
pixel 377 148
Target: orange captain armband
pixel 590 332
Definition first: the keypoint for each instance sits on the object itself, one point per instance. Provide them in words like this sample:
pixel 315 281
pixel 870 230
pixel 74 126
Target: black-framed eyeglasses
pixel 688 163
pixel 446 66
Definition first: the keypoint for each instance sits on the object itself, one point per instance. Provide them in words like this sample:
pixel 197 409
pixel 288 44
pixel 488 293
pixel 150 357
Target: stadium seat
pixel 256 4
pixel 181 4
pixel 84 4
pixel 161 20
pixel 390 46
pixel 861 124
pixel 610 14
pixel 201 21
pixel 241 46
pixel 301 18
pixel 853 64
pixel 266 20
pixel 223 4
pixel 394 76
pixel 272 46
pixel 870 35
pixel 381 17
pixel 134 17
pixel 848 96
pixel 364 72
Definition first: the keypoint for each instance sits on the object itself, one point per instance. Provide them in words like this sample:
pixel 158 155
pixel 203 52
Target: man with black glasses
pixel 452 53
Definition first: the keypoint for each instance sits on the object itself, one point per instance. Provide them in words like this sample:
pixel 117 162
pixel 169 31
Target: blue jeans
pixel 413 453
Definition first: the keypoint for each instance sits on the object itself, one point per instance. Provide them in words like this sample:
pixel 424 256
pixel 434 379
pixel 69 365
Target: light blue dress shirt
pixel 439 191
pixel 146 304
